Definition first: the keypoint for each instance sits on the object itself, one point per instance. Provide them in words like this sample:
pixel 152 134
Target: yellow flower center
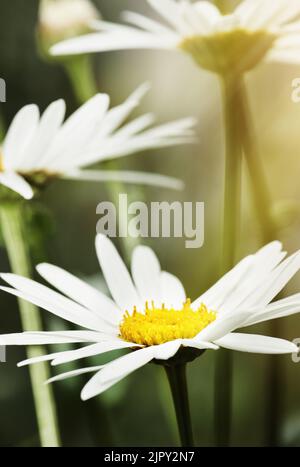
pixel 235 51
pixel 156 326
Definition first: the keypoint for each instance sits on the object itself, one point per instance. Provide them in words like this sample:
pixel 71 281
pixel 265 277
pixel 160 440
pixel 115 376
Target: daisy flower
pixel 38 149
pixel 59 19
pixel 256 30
pixel 150 315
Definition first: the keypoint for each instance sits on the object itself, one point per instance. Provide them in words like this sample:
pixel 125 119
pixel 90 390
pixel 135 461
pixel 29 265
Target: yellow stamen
pixel 156 326
pixel 235 51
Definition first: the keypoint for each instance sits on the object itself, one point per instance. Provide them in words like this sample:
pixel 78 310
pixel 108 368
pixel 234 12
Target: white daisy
pixel 37 149
pixel 150 314
pixel 236 42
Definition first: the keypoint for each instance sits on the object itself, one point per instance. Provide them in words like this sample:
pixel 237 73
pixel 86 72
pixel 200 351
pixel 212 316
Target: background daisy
pixel 37 149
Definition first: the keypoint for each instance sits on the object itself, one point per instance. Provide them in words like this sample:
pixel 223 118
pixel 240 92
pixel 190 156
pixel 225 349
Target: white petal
pixel 50 123
pixel 199 344
pixel 16 183
pixel 116 275
pixel 266 260
pixel 91 351
pixel 214 296
pixel 45 338
pixel 182 127
pixel 274 283
pixel 81 292
pixel 19 135
pixel 116 116
pixel 71 374
pixel 172 290
pixel 167 350
pixel 136 178
pixel 280 309
pixel 170 11
pixel 114 40
pixel 112 148
pixel 55 303
pixel 256 344
pixel 115 371
pixel 145 269
pixel 243 280
pixel 39 359
pixel 135 126
pixel 76 135
pixel 264 14
pixel 222 326
pixel 145 23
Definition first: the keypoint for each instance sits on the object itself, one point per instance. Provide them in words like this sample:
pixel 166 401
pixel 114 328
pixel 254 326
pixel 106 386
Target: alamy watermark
pixel 2 353
pixel 155 220
pixel 296 90
pixel 296 356
pixel 2 90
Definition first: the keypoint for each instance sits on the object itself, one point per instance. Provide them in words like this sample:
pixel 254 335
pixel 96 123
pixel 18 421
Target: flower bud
pixel 63 19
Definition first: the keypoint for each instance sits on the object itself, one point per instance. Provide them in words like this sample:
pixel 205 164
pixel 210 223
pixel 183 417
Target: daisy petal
pixel 199 344
pixel 173 293
pixel 280 309
pixel 16 183
pixel 273 283
pixel 115 371
pixel 19 136
pixel 114 40
pixel 145 270
pixel 81 292
pixel 48 128
pixel 45 338
pixel 72 374
pixel 167 350
pixel 116 275
pixel 257 344
pixel 223 326
pixel 138 178
pixel 51 301
pixel 91 351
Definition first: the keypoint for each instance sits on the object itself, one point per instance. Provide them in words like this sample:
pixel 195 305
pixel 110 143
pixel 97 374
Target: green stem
pixel 80 72
pixel 269 229
pixel 15 240
pixel 233 162
pixel 178 384
pixel 259 187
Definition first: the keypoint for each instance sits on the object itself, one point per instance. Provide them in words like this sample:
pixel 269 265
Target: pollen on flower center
pixel 156 326
pixel 235 51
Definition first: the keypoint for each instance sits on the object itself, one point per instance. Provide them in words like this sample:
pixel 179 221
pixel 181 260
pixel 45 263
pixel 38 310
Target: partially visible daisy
pixel 61 19
pixel 38 148
pixel 150 315
pixel 256 30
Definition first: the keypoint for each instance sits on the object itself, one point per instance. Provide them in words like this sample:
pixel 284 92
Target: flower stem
pixel 79 70
pixel 259 187
pixel 15 240
pixel 233 162
pixel 269 229
pixel 178 384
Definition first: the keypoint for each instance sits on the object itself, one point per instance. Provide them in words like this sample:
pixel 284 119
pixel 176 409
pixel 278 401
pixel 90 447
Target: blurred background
pixel 138 411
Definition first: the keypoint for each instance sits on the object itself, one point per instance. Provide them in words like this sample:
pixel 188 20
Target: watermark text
pixel 155 220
